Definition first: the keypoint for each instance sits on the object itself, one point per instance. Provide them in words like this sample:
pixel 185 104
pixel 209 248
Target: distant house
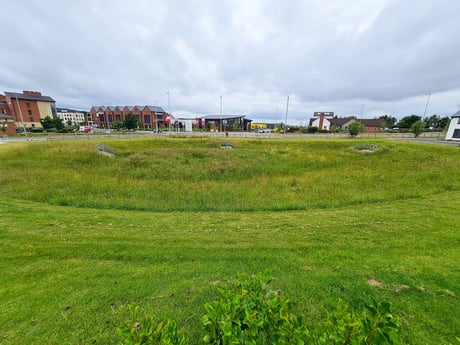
pixel 340 124
pixel 322 120
pixel 453 132
pixel 370 125
pixel 327 121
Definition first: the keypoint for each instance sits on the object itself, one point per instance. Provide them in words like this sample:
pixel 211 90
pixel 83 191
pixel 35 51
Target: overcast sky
pixel 348 56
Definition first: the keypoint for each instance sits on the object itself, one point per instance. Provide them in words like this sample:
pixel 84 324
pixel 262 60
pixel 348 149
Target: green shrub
pixel 251 312
pixel 148 331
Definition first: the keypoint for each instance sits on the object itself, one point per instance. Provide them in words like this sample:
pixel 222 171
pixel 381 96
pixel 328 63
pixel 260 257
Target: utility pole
pixel 169 104
pixel 220 122
pixel 426 105
pixel 22 119
pixel 287 109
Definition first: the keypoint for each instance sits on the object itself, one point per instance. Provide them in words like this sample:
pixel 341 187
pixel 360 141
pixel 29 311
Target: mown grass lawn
pixel 68 274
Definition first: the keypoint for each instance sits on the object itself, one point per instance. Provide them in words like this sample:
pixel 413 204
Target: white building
pixel 453 132
pixel 75 117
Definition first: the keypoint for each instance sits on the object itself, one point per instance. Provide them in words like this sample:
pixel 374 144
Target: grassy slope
pixel 68 274
pixel 195 174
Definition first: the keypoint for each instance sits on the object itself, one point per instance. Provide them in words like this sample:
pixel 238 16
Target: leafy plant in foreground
pixel 251 312
pixel 147 332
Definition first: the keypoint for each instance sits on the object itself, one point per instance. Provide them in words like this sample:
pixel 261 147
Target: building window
pixel 117 117
pixel 110 118
pixel 30 112
pixel 147 118
pixel 28 105
pixel 456 134
pixel 31 119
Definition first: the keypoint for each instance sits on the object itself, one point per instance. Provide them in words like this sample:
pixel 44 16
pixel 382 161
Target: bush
pixel 251 312
pixel 355 128
pixel 417 128
pixel 148 332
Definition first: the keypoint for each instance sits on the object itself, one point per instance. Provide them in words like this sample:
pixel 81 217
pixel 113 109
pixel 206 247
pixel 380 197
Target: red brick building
pixel 7 125
pixel 27 108
pixel 149 116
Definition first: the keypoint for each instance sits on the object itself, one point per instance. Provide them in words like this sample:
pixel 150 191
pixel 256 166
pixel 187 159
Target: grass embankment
pixel 197 175
pixel 68 274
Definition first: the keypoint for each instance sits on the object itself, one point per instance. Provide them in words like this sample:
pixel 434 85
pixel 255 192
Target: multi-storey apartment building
pixel 74 117
pixel 7 125
pixel 29 107
pixel 149 116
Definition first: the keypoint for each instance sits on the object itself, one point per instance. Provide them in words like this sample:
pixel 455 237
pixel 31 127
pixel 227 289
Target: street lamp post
pixel 287 109
pixel 220 122
pixel 169 106
pixel 169 103
pixel 426 105
pixel 22 119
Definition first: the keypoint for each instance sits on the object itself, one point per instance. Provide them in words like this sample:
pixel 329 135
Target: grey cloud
pixel 333 55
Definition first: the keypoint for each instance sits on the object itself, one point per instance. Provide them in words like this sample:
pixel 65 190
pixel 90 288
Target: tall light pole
pixel 22 119
pixel 156 116
pixel 362 110
pixel 169 110
pixel 220 122
pixel 287 109
pixel 426 105
pixel 169 103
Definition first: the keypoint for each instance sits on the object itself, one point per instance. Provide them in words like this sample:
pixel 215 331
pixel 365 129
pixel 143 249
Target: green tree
pixel 408 121
pixel 58 123
pixel 47 123
pixel 432 122
pixel 388 121
pixel 4 126
pixel 130 121
pixel 417 128
pixel 444 122
pixel 355 128
pixel 118 125
pixel 52 123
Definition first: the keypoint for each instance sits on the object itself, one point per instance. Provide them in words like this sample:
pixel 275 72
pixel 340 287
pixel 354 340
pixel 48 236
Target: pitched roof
pixel 29 97
pixel 152 108
pixel 155 109
pixel 221 117
pixel 371 122
pixel 338 122
pixel 457 114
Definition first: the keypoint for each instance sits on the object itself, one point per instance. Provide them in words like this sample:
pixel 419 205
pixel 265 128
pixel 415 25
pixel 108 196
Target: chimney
pixel 32 93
